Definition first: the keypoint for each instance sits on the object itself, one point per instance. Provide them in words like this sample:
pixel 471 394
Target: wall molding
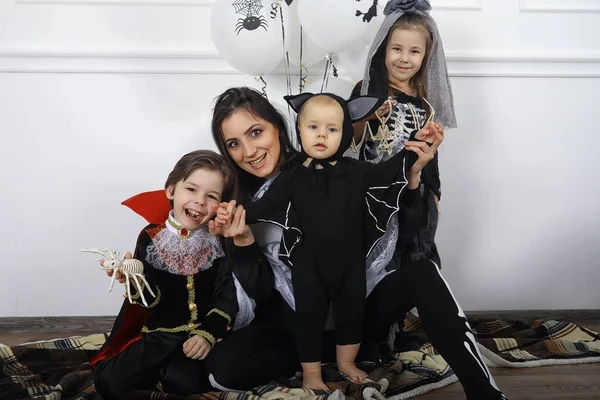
pixel 560 6
pixel 438 4
pixel 136 3
pixel 458 5
pixel 521 65
pixel 210 63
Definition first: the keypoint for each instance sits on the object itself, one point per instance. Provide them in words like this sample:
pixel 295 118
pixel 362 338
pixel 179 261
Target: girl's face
pixel 404 56
pixel 252 142
pixel 194 198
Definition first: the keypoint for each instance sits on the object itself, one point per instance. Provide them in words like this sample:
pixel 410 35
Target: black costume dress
pixel 332 218
pixel 408 115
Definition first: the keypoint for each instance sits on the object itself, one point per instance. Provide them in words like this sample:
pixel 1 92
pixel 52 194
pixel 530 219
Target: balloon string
pixel 288 79
pixel 302 78
pixel 263 89
pixel 286 61
pixel 335 71
pixel 326 73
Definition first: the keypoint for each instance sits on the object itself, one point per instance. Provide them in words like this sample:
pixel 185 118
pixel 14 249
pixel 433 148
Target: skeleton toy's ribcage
pixel 133 266
pixel 401 124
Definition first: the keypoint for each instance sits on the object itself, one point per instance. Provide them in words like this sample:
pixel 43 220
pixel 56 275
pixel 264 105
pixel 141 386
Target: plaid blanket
pixel 60 368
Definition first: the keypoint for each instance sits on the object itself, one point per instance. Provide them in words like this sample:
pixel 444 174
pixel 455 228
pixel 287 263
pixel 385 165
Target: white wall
pixel 99 98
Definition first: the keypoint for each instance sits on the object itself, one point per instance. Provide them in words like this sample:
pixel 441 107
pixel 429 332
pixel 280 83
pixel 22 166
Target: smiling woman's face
pixel 252 143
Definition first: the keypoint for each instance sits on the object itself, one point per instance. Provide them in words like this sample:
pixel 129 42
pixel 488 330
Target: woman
pixel 257 146
pixel 252 137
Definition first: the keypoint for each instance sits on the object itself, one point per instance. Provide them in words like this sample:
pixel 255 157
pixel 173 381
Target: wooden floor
pixel 31 329
pixel 556 382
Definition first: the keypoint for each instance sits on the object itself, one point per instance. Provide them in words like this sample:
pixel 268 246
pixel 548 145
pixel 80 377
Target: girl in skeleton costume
pixel 406 62
pixel 195 293
pixel 337 208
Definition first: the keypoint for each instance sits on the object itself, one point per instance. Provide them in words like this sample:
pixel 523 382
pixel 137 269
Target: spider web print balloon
pixel 245 35
pixel 251 20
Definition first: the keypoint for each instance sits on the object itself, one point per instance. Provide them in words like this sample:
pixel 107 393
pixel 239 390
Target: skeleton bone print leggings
pixel 420 284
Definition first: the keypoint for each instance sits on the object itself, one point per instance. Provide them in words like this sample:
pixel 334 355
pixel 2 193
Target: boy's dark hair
pixel 203 159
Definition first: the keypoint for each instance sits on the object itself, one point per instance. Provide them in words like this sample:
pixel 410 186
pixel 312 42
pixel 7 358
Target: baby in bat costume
pixel 333 210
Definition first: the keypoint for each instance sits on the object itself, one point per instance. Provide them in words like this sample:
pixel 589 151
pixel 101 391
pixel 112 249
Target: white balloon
pixel 311 52
pixel 247 37
pixel 335 25
pixel 367 39
pixel 354 62
pixel 339 86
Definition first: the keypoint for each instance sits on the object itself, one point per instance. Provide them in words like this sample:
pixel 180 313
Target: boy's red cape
pixel 127 329
pixel 153 206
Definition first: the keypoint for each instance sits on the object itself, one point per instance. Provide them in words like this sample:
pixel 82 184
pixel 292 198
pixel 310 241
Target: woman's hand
pixel 196 348
pixel 431 137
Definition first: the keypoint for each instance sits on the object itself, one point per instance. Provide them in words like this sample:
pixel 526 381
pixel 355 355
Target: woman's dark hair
pixel 252 101
pixel 203 159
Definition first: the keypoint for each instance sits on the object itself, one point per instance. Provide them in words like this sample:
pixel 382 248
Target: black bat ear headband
pixel 354 110
pixel 359 107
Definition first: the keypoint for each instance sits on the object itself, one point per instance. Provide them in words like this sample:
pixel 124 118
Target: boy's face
pixel 194 198
pixel 404 55
pixel 320 129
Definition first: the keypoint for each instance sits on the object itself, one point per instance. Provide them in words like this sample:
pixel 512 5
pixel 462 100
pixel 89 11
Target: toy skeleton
pixel 130 268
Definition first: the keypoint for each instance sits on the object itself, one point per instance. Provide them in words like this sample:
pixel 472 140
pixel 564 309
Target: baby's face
pixel 320 127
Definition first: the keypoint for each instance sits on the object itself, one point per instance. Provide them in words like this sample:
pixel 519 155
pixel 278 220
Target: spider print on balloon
pixel 370 14
pixel 252 20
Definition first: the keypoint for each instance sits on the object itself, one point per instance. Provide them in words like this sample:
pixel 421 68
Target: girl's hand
pixel 383 110
pixel 427 133
pixel 432 136
pixel 196 348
